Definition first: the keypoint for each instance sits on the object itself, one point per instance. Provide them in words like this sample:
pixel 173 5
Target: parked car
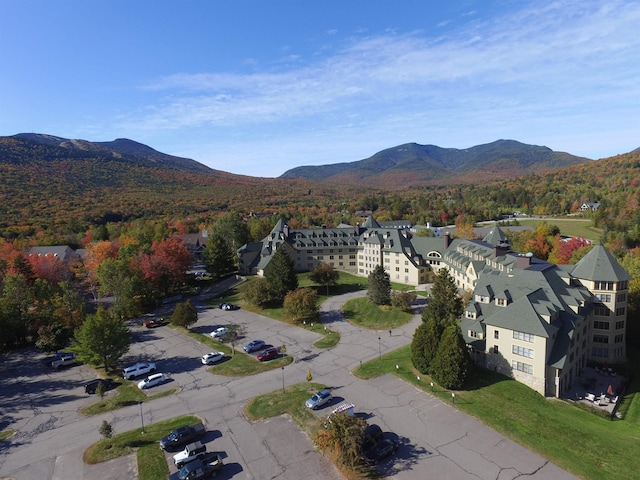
pixel 138 370
pixel 151 381
pixel 64 360
pixel 372 434
pixel 193 451
pixel 253 345
pixel 57 356
pixel 153 322
pixel 382 449
pixel 227 306
pixel 220 332
pixel 211 358
pixel 92 386
pixel 181 436
pixel 268 354
pixel 198 469
pixel 319 399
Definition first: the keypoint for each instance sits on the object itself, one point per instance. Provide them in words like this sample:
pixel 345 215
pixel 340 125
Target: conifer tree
pixel 281 275
pixel 219 257
pixel 379 286
pixel 451 366
pixel 445 305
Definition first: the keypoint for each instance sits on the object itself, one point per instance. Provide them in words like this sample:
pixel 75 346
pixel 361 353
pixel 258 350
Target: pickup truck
pixel 181 436
pixel 191 452
pixel 64 361
pixel 198 469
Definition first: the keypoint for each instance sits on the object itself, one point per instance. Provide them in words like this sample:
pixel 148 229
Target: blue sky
pixel 257 87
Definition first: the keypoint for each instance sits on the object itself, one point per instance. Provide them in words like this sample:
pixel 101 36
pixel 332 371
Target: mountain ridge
pixel 416 164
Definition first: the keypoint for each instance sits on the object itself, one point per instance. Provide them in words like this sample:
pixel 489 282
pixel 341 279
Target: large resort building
pixel 535 321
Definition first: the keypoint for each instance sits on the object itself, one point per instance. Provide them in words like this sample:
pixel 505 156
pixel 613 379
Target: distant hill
pixel 120 149
pixel 413 164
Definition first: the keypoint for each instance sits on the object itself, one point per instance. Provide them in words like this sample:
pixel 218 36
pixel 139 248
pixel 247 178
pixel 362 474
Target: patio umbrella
pixel 610 390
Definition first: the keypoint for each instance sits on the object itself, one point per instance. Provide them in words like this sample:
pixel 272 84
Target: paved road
pixel 436 440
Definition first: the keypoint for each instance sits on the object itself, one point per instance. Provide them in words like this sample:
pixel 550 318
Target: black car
pixel 382 449
pixel 92 386
pixel 372 434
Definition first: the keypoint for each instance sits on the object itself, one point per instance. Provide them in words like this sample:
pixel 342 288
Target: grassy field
pixel 127 394
pixel 570 226
pixel 237 363
pixel 151 461
pixel 581 442
pixel 361 312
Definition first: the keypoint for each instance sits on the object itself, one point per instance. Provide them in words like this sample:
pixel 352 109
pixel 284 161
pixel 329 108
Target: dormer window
pixel 501 302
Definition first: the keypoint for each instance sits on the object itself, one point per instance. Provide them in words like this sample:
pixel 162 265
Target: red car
pixel 268 354
pixel 154 322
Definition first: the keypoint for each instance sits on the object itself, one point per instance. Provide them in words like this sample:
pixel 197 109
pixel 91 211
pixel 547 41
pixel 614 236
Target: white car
pixel 151 381
pixel 191 452
pixel 219 332
pixel 138 369
pixel 211 358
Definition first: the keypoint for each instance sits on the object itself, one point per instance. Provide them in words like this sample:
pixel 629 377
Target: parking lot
pixel 435 439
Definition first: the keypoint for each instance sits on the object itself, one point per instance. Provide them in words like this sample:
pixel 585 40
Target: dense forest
pixel 126 214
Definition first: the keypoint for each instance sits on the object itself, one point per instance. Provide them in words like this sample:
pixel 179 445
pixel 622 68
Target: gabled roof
pixel 371 222
pixel 600 265
pixel 496 237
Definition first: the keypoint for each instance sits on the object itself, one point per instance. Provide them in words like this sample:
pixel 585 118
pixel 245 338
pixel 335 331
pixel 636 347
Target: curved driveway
pixel 436 440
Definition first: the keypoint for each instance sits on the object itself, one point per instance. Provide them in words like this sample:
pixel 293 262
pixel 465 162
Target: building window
pixel 600 352
pixel 620 311
pixel 619 324
pixel 600 325
pixel 496 334
pixel 603 297
pixel 495 349
pixel 603 286
pixel 600 339
pixel 618 338
pixel 622 297
pixel 602 311
pixel 526 337
pixel 501 302
pixel 522 367
pixel 522 351
pixel 473 334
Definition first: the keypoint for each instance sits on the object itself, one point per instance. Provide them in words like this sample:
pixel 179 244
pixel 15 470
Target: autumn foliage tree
pixel 166 267
pixel 344 436
pixel 301 304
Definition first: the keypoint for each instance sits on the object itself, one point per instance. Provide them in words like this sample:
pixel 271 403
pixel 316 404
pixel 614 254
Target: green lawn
pixel 127 394
pixel 570 226
pixel 581 442
pixel 237 363
pixel 361 312
pixel 151 461
pixel 331 338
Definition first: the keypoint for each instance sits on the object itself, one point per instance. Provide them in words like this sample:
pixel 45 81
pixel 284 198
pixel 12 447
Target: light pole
pixel 282 368
pixel 379 350
pixel 141 417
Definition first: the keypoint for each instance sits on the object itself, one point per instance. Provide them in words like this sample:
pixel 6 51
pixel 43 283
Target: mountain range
pixel 414 164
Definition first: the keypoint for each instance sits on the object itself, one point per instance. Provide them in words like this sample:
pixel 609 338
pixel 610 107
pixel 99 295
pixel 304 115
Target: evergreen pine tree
pixel 281 275
pixel 379 286
pixel 219 257
pixel 452 364
pixel 445 305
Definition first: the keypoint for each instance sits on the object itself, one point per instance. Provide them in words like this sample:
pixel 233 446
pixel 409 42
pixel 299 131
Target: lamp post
pixel 141 417
pixel 282 368
pixel 453 397
pixel 379 350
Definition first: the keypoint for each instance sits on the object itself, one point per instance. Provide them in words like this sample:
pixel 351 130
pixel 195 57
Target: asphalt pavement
pixel 436 440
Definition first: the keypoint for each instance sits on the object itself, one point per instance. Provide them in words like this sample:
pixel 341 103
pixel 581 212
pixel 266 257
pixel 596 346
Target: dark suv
pixel 92 386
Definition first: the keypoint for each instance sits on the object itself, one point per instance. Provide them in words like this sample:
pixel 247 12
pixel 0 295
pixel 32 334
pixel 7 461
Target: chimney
pixel 285 230
pixel 357 229
pixel 524 261
pixel 447 240
pixel 501 250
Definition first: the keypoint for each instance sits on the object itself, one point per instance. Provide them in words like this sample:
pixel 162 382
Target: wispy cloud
pixel 545 62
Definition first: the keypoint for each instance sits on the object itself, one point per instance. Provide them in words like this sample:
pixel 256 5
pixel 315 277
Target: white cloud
pixel 542 64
